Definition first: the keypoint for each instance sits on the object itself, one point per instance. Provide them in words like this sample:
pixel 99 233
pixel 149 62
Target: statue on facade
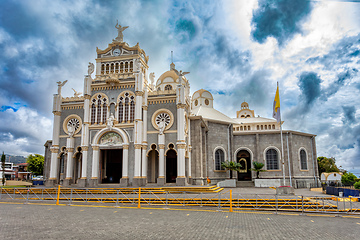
pixel 180 74
pixel 60 85
pixel 110 121
pixel 71 130
pixel 120 29
pixel 152 79
pixel 76 94
pixel 161 126
pixel 91 68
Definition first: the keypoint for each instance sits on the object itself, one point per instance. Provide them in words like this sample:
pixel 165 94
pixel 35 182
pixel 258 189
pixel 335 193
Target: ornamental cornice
pixel 180 105
pixel 73 99
pixel 181 146
pixel 54 150
pixel 139 93
pixel 137 146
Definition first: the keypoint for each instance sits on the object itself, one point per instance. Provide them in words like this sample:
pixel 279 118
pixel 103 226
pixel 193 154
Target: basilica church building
pixel 128 129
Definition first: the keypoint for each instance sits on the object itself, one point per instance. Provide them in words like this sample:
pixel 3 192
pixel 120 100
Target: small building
pixel 23 173
pixel 9 171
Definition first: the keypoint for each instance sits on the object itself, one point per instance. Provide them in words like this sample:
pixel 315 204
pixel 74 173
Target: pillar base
pixel 180 181
pixel 160 181
pixel 124 182
pixel 137 182
pixel 50 183
pixel 93 183
pixel 81 183
pixel 67 182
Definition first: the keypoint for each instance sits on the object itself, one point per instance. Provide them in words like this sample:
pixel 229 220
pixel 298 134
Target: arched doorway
pixel 171 166
pixel 61 168
pixel 77 166
pixel 243 157
pixel 153 165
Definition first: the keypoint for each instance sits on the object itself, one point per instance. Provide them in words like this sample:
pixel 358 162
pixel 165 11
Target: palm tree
pixel 232 166
pixel 257 168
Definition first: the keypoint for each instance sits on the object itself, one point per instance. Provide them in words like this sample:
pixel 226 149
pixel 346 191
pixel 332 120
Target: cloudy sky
pixel 237 50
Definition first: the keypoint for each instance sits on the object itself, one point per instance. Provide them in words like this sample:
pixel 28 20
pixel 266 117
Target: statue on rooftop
pixel 60 85
pixel 120 29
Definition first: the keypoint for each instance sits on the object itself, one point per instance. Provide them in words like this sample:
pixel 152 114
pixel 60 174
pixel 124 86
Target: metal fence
pixel 222 201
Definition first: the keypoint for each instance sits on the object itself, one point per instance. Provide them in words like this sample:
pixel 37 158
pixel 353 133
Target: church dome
pixel 202 98
pixel 169 79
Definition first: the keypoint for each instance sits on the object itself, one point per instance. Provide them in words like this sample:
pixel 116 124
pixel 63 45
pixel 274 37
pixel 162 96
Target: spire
pixel 172 65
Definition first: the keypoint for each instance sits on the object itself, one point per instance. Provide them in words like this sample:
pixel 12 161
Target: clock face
pixel 116 52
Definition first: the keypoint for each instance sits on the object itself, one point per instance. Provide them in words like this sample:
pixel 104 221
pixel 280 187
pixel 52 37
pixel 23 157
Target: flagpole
pixel 282 146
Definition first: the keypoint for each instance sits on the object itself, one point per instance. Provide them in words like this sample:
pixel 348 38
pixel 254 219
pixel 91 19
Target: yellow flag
pixel 276 107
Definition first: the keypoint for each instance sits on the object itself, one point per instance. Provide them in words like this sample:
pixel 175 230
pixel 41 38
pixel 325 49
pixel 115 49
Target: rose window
pixel 75 123
pixel 163 117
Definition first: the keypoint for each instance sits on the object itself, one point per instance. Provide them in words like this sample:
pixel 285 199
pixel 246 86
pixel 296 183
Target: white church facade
pixel 129 130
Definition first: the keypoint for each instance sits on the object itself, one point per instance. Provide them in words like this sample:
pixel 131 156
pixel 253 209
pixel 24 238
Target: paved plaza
pixel 32 221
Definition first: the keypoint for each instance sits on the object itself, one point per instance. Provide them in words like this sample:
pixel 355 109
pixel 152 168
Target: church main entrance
pixel 243 157
pixel 171 166
pixel 111 165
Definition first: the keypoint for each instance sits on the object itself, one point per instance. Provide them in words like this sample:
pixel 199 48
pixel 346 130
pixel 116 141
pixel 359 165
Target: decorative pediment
pixel 111 138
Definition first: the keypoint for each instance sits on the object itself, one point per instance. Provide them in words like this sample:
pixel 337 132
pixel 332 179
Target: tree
pixel 35 164
pixel 3 168
pixel 232 166
pixel 348 178
pixel 258 168
pixel 327 165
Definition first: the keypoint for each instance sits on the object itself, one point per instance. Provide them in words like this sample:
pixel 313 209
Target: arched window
pixel 272 161
pixel 126 108
pixel 121 110
pixel 168 87
pixel 98 119
pixel 93 112
pixel 132 109
pixel 219 158
pixel 116 67
pixel 98 109
pixel 104 112
pixel 303 160
pixel 102 69
pixel 131 66
pixel 121 67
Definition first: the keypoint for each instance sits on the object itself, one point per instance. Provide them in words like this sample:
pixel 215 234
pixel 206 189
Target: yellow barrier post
pixel 230 210
pixel 58 196
pixel 139 206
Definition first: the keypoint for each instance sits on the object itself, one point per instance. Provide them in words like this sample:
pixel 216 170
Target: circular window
pixel 162 117
pixel 72 121
pixel 196 102
pixel 207 101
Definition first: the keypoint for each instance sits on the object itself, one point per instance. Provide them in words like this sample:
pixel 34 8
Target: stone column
pixel 161 142
pixel 55 141
pixel 95 167
pixel 70 162
pixel 144 159
pixel 124 181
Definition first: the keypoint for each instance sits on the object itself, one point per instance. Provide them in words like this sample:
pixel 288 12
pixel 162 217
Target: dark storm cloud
pixel 336 85
pixel 343 52
pixel 309 83
pixel 349 114
pixel 280 19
